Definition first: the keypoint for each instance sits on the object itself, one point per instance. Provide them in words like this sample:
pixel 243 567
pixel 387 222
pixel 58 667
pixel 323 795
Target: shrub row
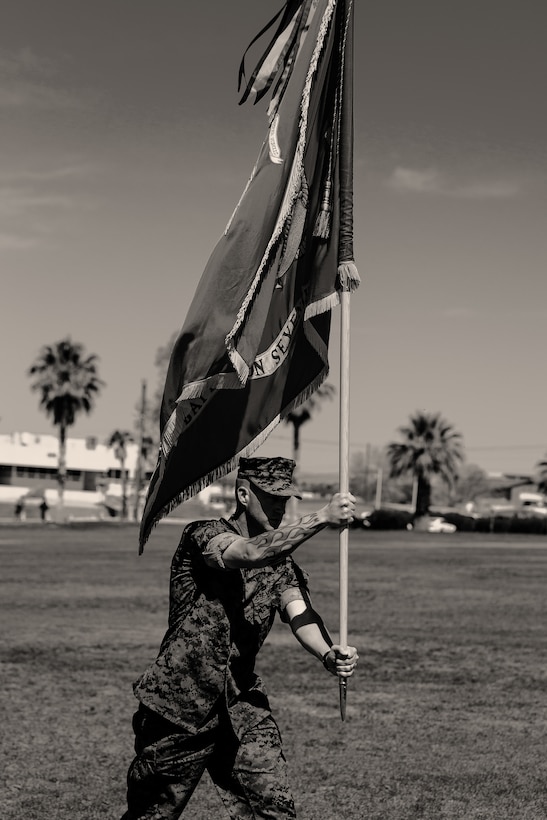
pixel 516 523
pixel 385 519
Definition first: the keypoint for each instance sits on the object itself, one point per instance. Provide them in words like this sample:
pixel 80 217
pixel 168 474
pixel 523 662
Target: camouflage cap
pixel 273 475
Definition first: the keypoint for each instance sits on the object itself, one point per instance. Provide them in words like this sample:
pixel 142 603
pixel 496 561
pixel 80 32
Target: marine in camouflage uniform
pixel 202 707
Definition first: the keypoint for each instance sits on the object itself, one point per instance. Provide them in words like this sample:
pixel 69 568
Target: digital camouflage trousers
pixel 250 774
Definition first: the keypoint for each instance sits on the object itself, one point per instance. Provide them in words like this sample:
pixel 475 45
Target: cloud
pixel 27 81
pixel 33 202
pixel 495 189
pixel 409 179
pixel 23 190
pixel 16 63
pixel 18 201
pixel 60 172
pixel 24 94
pixel 26 214
pixel 432 181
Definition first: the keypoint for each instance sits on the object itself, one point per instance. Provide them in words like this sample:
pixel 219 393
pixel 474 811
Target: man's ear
pixel 242 495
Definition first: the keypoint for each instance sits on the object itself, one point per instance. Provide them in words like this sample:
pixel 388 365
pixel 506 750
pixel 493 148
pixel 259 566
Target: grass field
pixel 447 715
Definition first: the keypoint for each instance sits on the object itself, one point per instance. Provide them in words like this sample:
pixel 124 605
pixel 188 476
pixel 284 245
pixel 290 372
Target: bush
pixel 524 523
pixel 515 524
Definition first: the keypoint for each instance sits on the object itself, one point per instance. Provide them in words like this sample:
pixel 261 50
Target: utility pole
pixel 366 474
pixel 140 444
pixel 378 499
pixel 414 502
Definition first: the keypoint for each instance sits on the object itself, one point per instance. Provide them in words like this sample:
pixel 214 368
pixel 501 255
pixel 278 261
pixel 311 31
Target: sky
pixel 123 152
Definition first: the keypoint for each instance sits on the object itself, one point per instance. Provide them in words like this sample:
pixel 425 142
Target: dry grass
pixel 446 718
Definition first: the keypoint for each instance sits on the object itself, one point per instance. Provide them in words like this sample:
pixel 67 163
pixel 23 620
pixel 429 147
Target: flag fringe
pixel 322 305
pixel 231 464
pixel 222 381
pixel 209 478
pixel 195 390
pixel 240 365
pixel 293 185
pixel 247 186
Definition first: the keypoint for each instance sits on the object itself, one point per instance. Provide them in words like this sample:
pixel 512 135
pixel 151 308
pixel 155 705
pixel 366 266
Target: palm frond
pixel 67 380
pixel 430 446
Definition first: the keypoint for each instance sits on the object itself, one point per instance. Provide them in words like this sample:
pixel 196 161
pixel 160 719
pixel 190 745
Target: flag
pixel 254 343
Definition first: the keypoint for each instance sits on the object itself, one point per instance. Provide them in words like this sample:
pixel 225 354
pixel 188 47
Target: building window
pixel 117 473
pixel 43 472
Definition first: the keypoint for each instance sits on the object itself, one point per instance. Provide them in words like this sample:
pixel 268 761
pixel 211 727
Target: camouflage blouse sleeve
pixel 211 539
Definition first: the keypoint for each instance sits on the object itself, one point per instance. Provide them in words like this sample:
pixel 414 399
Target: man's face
pixel 266 510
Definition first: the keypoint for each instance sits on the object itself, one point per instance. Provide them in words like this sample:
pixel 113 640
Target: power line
pixel 328 443
pixel 508 447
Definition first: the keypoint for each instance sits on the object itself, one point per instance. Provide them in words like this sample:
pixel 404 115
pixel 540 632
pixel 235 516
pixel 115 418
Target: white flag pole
pixel 344 476
pixel 348 281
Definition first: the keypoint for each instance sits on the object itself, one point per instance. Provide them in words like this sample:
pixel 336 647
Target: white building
pixel 28 467
pixel 28 464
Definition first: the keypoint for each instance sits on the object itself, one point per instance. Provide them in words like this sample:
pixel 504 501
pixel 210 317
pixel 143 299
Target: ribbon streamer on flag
pixel 254 343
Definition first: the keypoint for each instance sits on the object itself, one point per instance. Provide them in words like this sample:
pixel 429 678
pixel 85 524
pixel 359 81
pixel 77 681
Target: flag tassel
pixel 322 225
pixel 348 276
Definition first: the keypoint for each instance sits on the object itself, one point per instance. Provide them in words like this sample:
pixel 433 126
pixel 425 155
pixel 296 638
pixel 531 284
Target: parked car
pixel 361 519
pixel 383 519
pixel 440 525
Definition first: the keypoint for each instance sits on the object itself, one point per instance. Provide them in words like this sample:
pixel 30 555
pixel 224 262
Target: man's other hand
pixel 340 510
pixel 341 661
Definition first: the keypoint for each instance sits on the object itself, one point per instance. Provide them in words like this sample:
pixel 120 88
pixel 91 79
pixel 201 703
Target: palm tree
pixel 297 417
pixel 118 441
pixel 430 447
pixel 68 383
pixel 542 475
pixel 303 413
pixel 153 407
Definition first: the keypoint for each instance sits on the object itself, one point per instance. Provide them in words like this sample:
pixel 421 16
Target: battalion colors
pixel 254 344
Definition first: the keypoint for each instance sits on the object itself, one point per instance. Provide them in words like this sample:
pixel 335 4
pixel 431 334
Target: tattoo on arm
pixel 281 542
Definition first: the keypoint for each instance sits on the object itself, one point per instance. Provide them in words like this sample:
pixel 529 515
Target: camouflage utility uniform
pixel 201 704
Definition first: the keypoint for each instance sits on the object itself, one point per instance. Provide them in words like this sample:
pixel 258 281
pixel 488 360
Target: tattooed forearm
pixel 283 541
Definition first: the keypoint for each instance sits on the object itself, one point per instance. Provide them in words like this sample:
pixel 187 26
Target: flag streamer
pixel 280 54
pixel 254 343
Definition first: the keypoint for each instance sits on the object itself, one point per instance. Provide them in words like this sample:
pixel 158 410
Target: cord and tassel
pixel 324 217
pixel 322 224
pixel 348 276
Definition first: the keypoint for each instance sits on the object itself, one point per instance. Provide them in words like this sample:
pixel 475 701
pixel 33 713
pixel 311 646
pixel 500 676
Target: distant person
pixel 202 707
pixel 44 510
pixel 19 511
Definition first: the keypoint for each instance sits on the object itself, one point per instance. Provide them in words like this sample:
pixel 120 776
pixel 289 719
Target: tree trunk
pixel 292 505
pixel 140 446
pixel 61 473
pixel 296 446
pixel 124 490
pixel 423 499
